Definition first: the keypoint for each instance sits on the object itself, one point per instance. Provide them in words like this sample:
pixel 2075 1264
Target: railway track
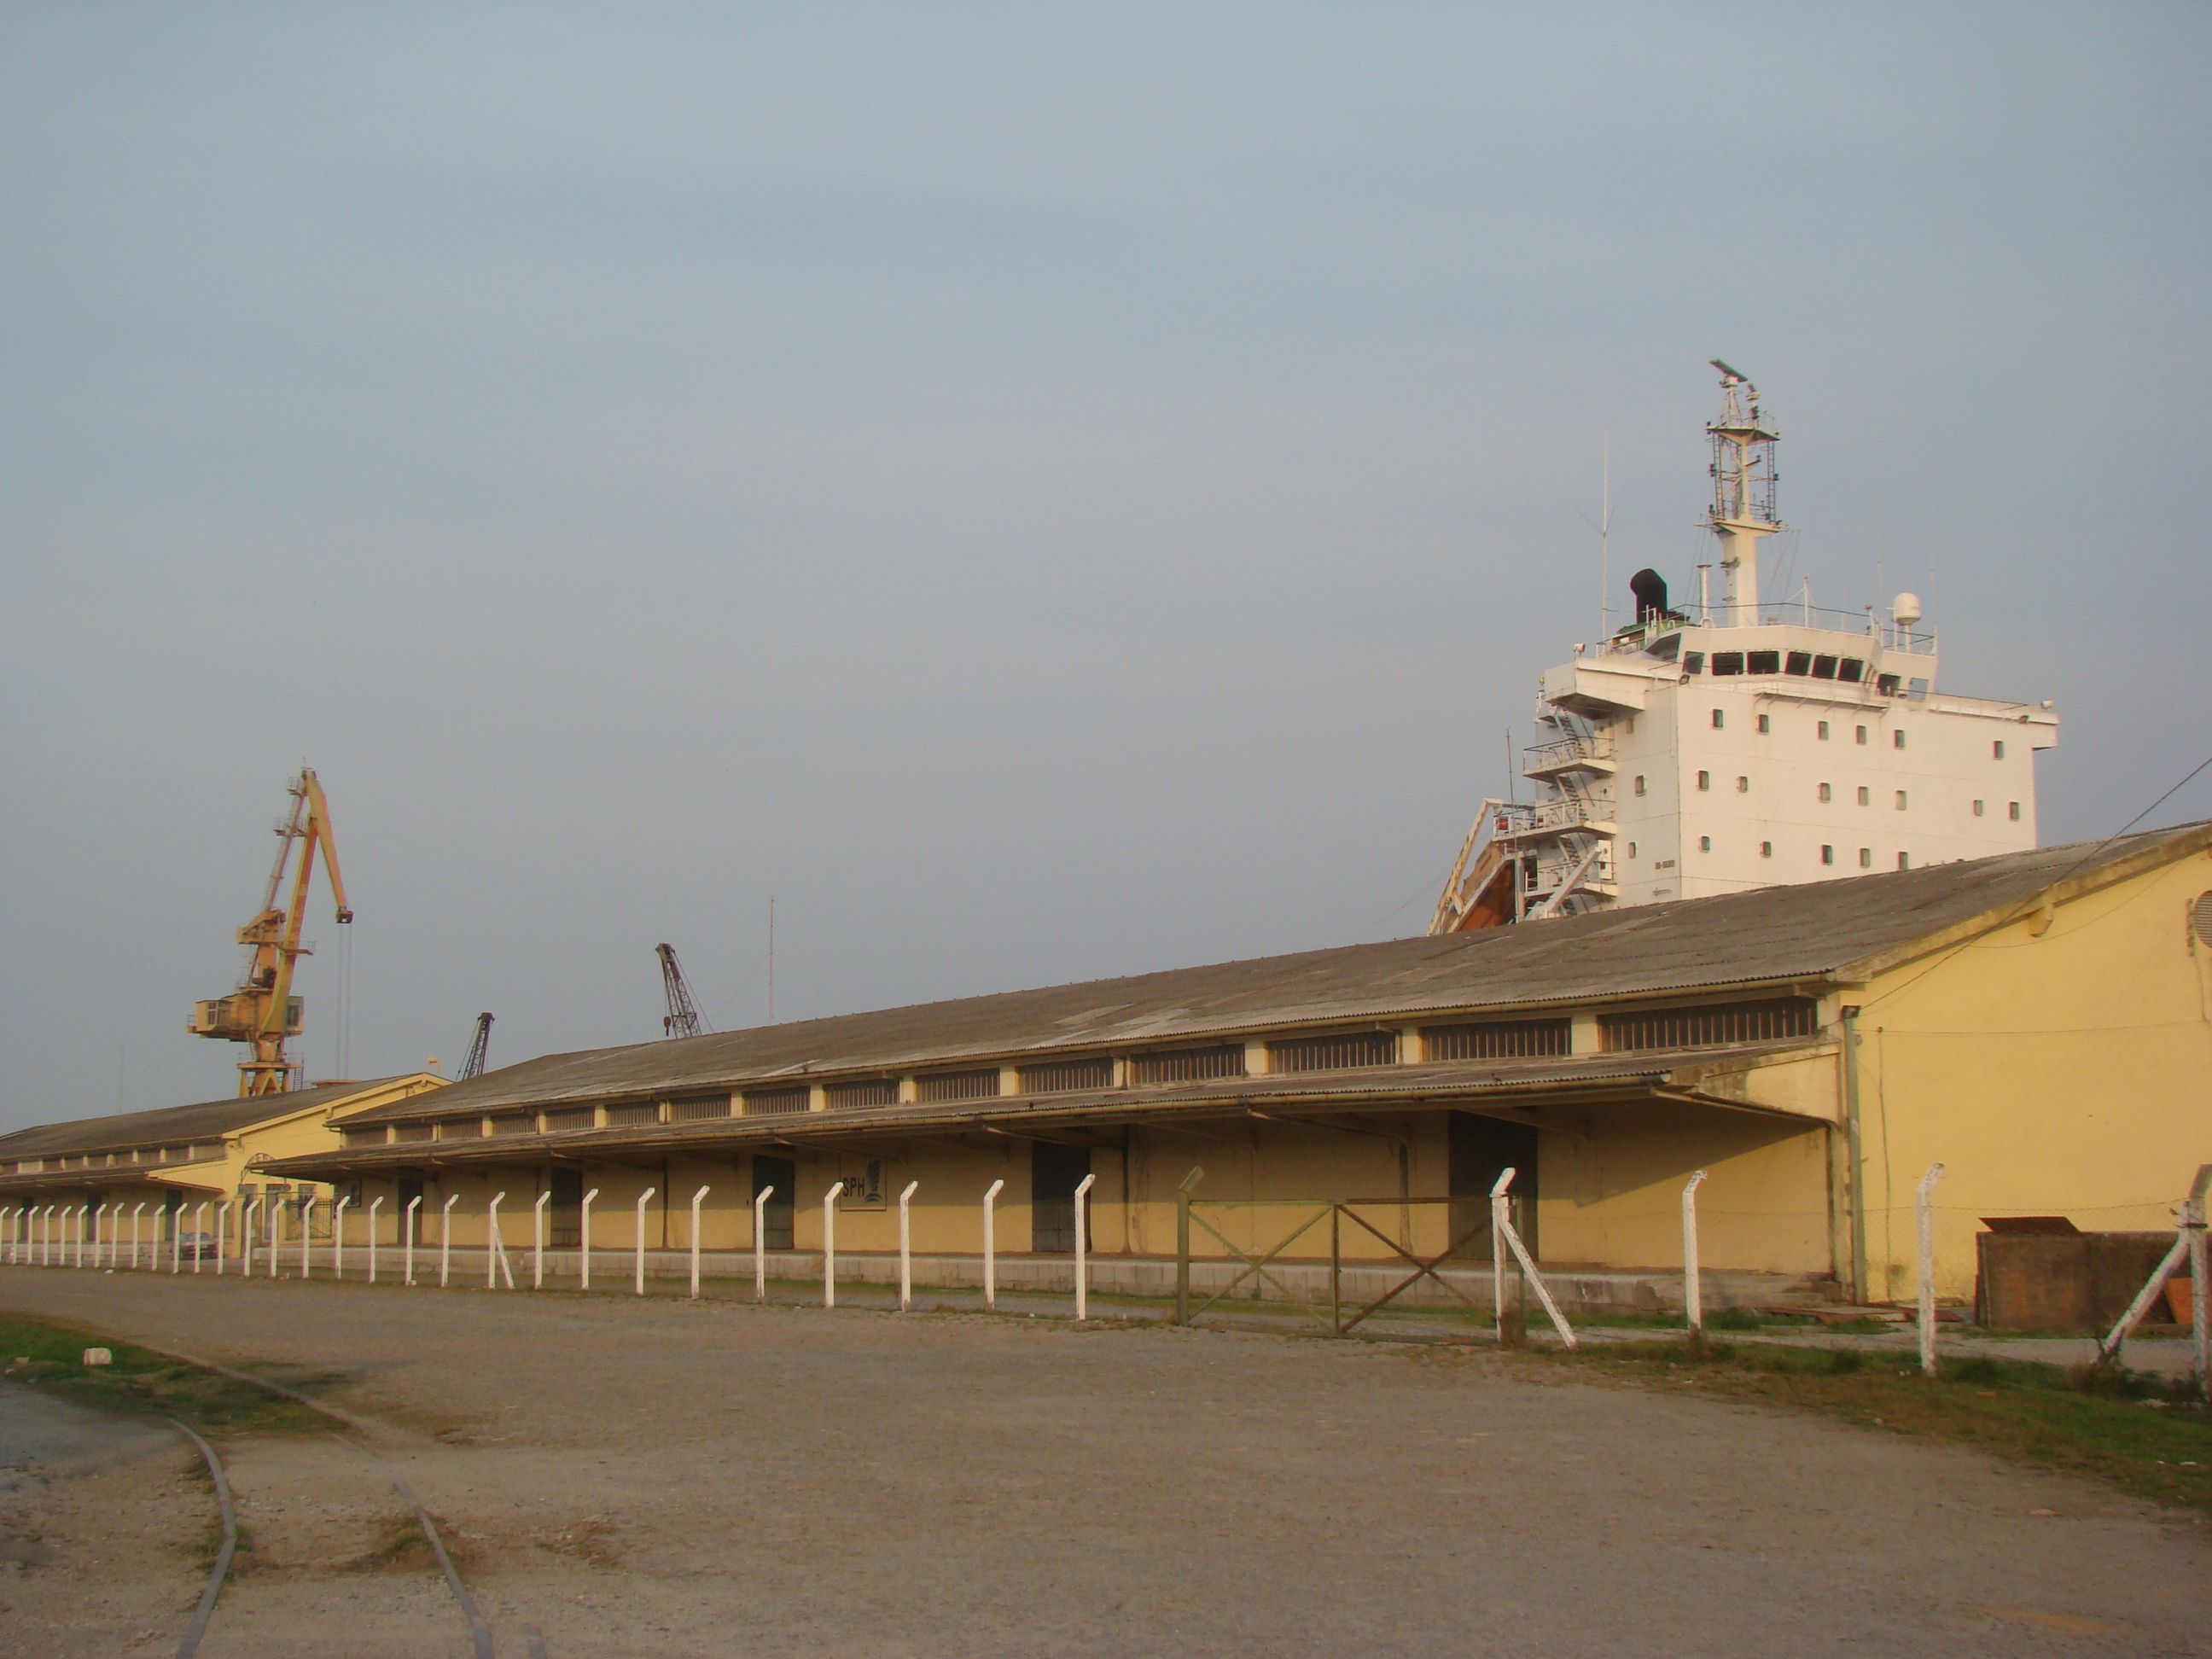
pixel 480 1636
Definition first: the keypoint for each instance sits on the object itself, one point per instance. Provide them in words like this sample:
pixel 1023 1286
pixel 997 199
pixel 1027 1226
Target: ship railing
pixel 1643 637
pixel 1551 756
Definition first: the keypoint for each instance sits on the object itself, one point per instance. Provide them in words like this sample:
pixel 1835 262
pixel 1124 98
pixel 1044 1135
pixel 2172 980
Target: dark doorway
pixel 1055 1171
pixel 783 1174
pixel 1482 1149
pixel 565 1228
pixel 410 1188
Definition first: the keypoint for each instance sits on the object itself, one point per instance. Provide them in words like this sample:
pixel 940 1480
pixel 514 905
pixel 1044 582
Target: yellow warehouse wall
pixel 2068 1072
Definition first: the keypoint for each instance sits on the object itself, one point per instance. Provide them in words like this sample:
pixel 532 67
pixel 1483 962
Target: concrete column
pixel 1256 1059
pixel 1584 1038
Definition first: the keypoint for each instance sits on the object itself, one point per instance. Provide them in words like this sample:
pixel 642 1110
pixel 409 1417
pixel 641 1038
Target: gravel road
pixel 656 1477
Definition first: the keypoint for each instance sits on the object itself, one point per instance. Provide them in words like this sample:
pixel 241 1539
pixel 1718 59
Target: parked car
pixel 196 1247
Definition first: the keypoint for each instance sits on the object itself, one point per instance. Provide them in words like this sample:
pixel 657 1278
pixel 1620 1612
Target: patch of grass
pixel 2144 1434
pixel 403 1546
pixel 1733 1319
pixel 47 1357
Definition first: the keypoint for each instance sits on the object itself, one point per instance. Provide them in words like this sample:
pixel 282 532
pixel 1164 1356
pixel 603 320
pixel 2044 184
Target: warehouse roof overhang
pixel 1709 1078
pixel 181 1177
pixel 1802 938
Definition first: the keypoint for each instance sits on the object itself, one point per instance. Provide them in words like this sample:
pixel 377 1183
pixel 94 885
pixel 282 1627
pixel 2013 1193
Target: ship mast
pixel 1743 493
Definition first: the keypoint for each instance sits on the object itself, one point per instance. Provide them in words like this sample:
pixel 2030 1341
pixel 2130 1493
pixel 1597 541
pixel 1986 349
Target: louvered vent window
pixel 1339 1052
pixel 373 1137
pixel 1711 1024
pixel 176 1154
pixel 1498 1039
pixel 1188 1064
pixel 631 1113
pixel 856 1093
pixel 1054 1077
pixel 513 1123
pixel 957 1085
pixel 698 1108
pixel 412 1132
pixel 2200 918
pixel 775 1102
pixel 568 1117
pixel 461 1128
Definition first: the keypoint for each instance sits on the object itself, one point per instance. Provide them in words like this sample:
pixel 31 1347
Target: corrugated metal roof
pixel 173 1125
pixel 1810 933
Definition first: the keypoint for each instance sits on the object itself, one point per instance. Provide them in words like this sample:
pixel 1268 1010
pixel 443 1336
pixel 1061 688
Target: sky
pixel 1040 492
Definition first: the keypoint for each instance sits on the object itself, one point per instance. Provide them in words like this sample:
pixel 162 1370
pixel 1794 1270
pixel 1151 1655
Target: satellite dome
pixel 1905 607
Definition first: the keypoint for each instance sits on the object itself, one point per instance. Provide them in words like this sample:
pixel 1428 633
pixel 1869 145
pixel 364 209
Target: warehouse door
pixel 565 1231
pixel 1055 1173
pixel 783 1174
pixel 1482 1149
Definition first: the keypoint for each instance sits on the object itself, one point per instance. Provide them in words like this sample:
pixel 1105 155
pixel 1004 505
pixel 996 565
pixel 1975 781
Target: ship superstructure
pixel 1740 743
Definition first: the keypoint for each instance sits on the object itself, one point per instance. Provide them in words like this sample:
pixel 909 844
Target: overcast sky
pixel 1044 492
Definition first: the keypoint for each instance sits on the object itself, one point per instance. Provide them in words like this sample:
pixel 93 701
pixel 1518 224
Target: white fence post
pixel 1925 1200
pixel 246 1237
pixel 407 1239
pixel 307 1233
pixel 445 1237
pixel 906 1249
pixel 1501 1225
pixel 991 1247
pixel 2188 1246
pixel 337 1237
pixel 1082 1248
pixel 584 1243
pixel 221 1237
pixel 275 1211
pixel 137 1210
pixel 1498 1205
pixel 696 1197
pixel 374 1205
pixel 538 1240
pixel 760 1248
pixel 643 1199
pixel 492 1251
pixel 829 1245
pixel 98 1217
pixel 2192 1219
pixel 1693 1296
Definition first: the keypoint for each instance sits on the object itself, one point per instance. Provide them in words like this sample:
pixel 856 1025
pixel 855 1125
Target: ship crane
pixel 473 1066
pixel 684 1018
pixel 263 1012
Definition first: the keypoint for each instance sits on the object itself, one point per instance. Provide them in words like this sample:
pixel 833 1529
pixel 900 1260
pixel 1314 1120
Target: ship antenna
pixel 1604 541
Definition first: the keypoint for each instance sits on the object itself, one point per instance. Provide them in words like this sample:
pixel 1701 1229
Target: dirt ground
pixel 655 1478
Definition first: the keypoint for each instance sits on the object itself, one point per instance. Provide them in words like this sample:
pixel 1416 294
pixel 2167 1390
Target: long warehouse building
pixel 2039 1022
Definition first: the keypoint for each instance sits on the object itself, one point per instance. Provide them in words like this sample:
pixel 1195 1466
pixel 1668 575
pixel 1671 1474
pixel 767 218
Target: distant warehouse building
pixel 163 1165
pixel 2040 1021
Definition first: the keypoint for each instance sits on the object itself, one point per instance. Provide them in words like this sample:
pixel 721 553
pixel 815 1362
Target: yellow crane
pixel 263 1011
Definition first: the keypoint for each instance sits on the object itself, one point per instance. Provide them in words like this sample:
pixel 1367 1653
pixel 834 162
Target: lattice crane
pixel 684 1018
pixel 263 1012
pixel 474 1065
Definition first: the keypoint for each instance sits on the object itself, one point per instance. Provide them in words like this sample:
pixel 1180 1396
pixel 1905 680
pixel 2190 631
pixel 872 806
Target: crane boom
pixel 263 1012
pixel 683 1018
pixel 473 1066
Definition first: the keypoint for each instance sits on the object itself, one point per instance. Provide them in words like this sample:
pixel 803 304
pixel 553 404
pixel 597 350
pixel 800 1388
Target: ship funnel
pixel 1649 589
